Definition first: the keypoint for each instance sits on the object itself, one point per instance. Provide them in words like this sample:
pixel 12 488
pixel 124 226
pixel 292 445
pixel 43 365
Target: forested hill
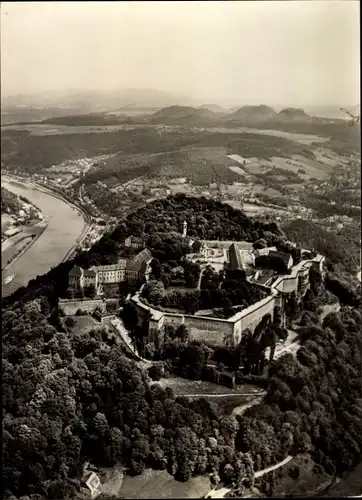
pixel 207 219
pixel 71 397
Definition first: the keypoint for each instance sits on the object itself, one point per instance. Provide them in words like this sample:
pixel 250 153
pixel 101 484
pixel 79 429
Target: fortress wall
pixel 174 320
pixel 70 306
pixel 287 285
pixel 252 318
pixel 218 332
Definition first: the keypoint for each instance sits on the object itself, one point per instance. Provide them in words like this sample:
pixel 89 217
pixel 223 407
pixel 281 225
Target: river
pixel 64 225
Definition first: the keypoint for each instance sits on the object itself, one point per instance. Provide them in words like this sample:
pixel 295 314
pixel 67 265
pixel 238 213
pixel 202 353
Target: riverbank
pixel 66 223
pixel 72 203
pixel 87 217
pixel 41 226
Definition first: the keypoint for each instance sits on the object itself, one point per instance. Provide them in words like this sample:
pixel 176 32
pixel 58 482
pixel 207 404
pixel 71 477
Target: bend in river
pixel 65 225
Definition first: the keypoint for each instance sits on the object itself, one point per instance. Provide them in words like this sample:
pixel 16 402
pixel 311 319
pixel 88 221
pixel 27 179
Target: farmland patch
pixel 160 484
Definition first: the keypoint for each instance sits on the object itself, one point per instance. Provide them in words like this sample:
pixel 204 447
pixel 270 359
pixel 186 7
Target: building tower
pixel 184 230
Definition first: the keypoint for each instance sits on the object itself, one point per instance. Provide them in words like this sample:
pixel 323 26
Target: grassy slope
pixel 160 484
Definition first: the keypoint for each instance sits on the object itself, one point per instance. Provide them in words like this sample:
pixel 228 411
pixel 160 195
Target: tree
pixel 191 303
pixel 69 322
pixel 156 371
pixel 260 243
pixel 89 291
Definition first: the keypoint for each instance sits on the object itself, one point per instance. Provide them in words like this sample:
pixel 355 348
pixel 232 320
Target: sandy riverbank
pixel 41 227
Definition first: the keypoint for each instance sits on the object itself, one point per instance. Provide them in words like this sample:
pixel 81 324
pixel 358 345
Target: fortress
pixel 125 269
pixel 267 268
pixel 228 332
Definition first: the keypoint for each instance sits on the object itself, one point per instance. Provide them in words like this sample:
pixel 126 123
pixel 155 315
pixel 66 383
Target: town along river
pixel 65 224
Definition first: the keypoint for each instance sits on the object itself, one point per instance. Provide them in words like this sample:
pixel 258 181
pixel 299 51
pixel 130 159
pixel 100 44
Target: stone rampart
pixel 71 306
pixel 218 332
pixel 250 317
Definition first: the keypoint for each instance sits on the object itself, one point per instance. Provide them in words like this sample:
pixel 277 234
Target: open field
pixel 199 155
pixel 236 405
pixel 314 168
pixel 6 221
pixel 11 246
pixel 160 484
pixel 351 485
pixel 83 324
pixel 301 138
pixel 251 210
pixel 237 170
pixel 199 388
pixel 310 480
pixel 53 129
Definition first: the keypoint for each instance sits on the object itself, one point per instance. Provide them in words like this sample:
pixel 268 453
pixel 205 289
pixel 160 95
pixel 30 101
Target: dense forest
pixel 207 219
pixel 314 402
pixel 70 397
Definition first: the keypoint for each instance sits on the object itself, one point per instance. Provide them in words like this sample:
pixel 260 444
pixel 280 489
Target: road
pixel 329 308
pixel 261 473
pixel 239 410
pixel 291 345
pixel 262 393
pixel 117 324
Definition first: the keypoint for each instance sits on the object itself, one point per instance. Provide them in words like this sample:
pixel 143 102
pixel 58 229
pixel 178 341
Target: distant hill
pixel 184 115
pixel 215 108
pixel 91 100
pixel 250 115
pixel 293 114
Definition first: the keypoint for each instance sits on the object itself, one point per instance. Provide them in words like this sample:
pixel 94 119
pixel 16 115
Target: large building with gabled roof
pixel 137 268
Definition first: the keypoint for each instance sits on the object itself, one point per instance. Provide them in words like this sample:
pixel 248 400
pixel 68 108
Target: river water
pixel 65 225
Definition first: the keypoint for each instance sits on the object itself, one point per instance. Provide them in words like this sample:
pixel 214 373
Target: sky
pixel 288 52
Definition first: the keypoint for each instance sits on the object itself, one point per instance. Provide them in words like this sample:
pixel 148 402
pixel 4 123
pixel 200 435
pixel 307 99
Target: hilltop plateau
pixel 86 400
